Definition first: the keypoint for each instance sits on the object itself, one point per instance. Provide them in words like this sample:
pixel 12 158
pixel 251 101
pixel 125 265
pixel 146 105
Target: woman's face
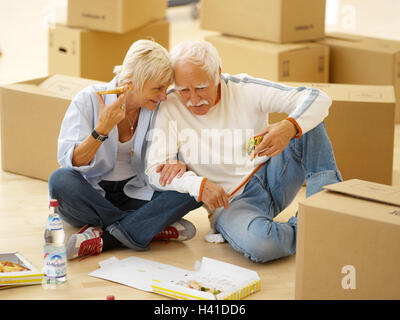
pixel 151 94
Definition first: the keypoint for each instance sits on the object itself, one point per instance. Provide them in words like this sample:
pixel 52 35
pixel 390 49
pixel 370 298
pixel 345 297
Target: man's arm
pixel 163 148
pixel 306 108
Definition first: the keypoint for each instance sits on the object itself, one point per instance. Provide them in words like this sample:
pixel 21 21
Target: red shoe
pixel 181 230
pixel 86 242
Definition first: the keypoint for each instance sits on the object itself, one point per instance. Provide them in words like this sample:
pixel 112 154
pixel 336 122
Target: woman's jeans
pixel 248 222
pixel 131 221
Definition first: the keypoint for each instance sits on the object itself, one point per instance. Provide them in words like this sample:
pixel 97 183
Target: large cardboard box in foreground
pixel 31 116
pixel 306 61
pixel 361 128
pixel 114 15
pixel 93 54
pixel 348 243
pixel 273 20
pixel 362 60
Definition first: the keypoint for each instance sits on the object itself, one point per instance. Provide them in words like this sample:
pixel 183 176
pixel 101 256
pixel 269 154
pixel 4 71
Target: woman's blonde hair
pixel 145 60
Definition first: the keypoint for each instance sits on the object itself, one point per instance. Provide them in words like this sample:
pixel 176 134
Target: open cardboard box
pixel 31 115
pixel 19 278
pixel 234 282
pixel 348 242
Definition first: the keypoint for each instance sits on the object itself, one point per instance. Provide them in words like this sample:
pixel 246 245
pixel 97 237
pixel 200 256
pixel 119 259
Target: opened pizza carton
pixel 25 273
pixel 211 280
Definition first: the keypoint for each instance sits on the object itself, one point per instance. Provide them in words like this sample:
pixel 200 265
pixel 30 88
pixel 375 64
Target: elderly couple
pixel 134 163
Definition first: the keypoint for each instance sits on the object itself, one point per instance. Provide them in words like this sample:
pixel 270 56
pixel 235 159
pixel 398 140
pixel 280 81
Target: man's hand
pixel 276 137
pixel 214 196
pixel 110 115
pixel 170 170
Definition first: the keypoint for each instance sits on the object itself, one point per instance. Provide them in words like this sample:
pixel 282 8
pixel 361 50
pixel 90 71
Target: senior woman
pixel 102 144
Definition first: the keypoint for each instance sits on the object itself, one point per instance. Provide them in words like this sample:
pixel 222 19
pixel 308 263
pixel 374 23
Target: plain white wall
pixel 374 18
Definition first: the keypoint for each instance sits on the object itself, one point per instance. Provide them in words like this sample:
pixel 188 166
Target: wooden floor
pixel 24 201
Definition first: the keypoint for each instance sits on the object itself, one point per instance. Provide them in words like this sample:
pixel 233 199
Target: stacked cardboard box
pixel 280 21
pixel 98 34
pixel 360 152
pixel 362 60
pixel 269 39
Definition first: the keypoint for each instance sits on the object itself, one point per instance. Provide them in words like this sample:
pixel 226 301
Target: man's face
pixel 196 88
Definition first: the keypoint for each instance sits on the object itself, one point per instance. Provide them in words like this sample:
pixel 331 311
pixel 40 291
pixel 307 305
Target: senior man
pixel 206 121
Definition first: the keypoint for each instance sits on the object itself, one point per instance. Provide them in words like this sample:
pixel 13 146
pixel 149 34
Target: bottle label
pixel 54 223
pixel 55 264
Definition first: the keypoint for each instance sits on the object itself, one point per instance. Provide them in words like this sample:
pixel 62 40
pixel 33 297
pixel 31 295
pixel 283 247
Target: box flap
pixel 58 85
pixel 344 36
pixel 67 86
pixel 271 47
pixel 352 92
pixel 368 190
pixel 366 43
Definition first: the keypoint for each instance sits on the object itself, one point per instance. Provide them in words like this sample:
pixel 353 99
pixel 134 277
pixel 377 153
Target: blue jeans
pixel 133 222
pixel 248 223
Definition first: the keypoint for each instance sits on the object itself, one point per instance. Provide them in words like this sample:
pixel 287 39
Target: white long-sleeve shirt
pixel 213 145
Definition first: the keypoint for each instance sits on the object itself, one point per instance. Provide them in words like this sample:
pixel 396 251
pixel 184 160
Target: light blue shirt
pixel 79 121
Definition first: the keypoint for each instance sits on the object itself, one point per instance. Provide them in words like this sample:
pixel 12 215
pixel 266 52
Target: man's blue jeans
pixel 131 221
pixel 248 222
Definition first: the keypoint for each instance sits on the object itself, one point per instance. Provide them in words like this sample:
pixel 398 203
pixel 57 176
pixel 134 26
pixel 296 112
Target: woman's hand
pixel 276 137
pixel 170 170
pixel 110 115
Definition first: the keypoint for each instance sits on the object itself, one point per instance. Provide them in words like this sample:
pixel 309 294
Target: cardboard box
pixel 277 62
pixel 19 278
pixel 31 116
pixel 361 128
pixel 279 21
pixel 114 15
pixel 234 282
pixel 93 54
pixel 348 243
pixel 361 60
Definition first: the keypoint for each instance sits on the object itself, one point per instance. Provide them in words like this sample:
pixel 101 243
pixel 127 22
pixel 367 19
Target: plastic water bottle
pixel 55 256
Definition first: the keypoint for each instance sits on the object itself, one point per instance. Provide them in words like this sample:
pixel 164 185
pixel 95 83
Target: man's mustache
pixel 189 103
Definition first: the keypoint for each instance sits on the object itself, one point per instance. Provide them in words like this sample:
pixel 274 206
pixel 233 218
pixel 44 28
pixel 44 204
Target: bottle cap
pixel 53 203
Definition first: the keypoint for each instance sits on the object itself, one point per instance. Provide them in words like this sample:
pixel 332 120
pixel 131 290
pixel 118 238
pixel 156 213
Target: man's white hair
pixel 145 60
pixel 200 53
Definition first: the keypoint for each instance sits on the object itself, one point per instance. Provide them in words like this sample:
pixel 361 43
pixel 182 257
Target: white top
pixel 123 167
pixel 213 145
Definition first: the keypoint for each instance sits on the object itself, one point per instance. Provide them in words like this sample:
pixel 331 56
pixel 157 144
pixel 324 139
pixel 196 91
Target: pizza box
pixel 19 278
pixel 229 281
